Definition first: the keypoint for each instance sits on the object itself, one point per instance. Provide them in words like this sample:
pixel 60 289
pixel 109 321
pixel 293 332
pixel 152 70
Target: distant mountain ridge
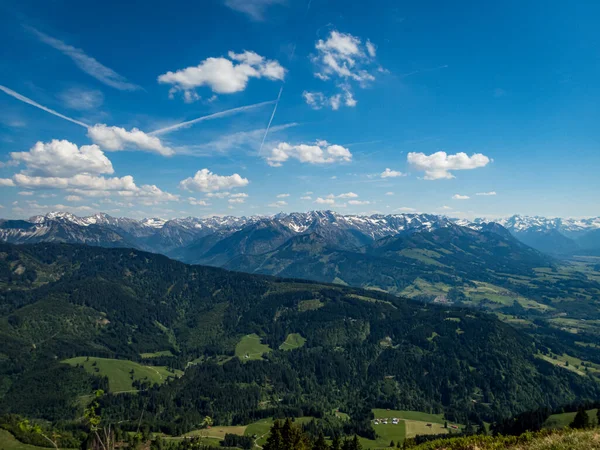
pixel 555 236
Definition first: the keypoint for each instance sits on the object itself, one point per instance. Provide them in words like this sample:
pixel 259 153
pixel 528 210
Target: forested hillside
pixel 350 349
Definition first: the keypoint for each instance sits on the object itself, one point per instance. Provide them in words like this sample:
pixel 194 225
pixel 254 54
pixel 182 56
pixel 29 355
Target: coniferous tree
pixel 336 444
pixel 320 443
pixel 581 420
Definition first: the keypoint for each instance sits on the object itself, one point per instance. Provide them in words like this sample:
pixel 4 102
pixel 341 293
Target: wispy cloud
pixel 241 140
pixel 255 9
pixel 217 115
pixel 86 63
pixel 37 105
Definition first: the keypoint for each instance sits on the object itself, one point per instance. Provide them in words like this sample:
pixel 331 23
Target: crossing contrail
pixel 210 117
pixel 37 105
pixel 168 129
pixel 281 89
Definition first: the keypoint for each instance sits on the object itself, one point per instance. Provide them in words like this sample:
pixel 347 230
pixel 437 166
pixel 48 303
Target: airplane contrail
pixel 37 105
pixel 270 121
pixel 281 89
pixel 155 132
pixel 210 117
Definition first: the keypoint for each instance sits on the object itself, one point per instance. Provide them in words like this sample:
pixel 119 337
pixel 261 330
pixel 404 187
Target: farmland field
pixel 118 371
pixel 250 347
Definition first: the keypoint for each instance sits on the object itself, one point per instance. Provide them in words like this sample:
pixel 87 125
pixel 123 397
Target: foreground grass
pixel 119 372
pixel 566 439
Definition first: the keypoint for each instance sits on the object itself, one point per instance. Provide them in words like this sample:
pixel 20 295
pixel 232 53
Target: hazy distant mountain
pixel 555 236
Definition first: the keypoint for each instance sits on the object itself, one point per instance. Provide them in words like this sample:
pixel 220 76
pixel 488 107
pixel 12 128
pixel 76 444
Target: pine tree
pixel 320 443
pixel 581 420
pixel 275 440
pixel 392 444
pixel 336 444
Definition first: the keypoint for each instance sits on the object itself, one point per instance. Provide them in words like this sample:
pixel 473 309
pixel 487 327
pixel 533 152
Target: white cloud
pixel 320 153
pixel 73 198
pixel 218 194
pixel 486 193
pixel 371 49
pixel 316 100
pixel 335 101
pixel 195 202
pixel 283 195
pixel 278 204
pixel 206 181
pixel 308 193
pixel 347 195
pixel 405 209
pixel 239 195
pixel 389 173
pixel 236 200
pixel 88 64
pixel 26 193
pixel 389 193
pixel 63 165
pixel 345 57
pixel 63 159
pixel 253 8
pixel 438 165
pixel 306 197
pixel 359 202
pixel 6 182
pixel 222 75
pixel 446 208
pixel 325 201
pixel 460 197
pixel 81 99
pixel 116 138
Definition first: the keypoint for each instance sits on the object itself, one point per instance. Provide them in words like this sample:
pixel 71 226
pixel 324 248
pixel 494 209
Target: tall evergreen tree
pixel 320 443
pixel 581 420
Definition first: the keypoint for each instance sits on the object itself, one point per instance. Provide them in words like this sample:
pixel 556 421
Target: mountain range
pixel 554 236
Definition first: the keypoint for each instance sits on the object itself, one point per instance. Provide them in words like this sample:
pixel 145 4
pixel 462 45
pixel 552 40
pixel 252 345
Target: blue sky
pixel 384 108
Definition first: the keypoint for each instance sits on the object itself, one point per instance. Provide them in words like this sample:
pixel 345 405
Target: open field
pixel 217 432
pixel 118 371
pixel 292 342
pixel 156 354
pixel 564 419
pixel 573 364
pixel 408 415
pixel 411 424
pixel 250 347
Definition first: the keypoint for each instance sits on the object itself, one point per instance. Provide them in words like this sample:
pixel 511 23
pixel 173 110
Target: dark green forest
pixel 363 348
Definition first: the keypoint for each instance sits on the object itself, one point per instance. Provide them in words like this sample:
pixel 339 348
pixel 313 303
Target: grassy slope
pixel 411 424
pixel 118 371
pixel 564 419
pixel 292 342
pixel 250 347
pixel 9 442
